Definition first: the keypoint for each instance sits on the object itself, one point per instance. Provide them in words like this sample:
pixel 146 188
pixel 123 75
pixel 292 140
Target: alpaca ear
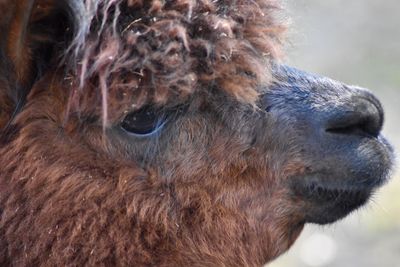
pixel 17 48
pixel 12 40
pixel 30 30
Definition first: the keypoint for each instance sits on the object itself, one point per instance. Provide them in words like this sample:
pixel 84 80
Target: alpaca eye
pixel 143 122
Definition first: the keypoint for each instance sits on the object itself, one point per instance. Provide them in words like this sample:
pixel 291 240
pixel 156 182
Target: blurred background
pixel 357 42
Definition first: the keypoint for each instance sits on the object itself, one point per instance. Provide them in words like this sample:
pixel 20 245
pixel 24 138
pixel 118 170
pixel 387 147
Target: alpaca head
pixel 177 115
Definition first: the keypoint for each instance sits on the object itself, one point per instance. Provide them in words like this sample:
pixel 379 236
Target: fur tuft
pixel 158 50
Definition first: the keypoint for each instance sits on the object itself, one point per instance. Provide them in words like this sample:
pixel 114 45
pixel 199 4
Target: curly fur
pixel 158 50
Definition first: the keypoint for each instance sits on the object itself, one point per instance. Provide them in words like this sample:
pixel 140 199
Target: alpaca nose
pixel 363 116
pixel 321 105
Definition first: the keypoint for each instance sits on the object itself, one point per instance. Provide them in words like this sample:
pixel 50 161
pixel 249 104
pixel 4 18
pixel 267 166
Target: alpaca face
pixel 170 123
pixel 319 139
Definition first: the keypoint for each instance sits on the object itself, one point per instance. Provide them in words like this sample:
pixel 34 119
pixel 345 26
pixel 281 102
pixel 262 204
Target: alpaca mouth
pixel 339 185
pixel 320 194
pixel 334 203
pixel 326 202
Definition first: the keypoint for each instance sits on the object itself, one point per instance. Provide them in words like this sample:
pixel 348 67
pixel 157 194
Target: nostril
pixel 364 127
pixel 366 119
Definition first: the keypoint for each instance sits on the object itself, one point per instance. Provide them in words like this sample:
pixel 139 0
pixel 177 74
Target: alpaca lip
pixel 326 202
pixel 321 193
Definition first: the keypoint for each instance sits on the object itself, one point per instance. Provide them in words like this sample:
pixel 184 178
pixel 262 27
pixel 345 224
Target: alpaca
pixel 169 133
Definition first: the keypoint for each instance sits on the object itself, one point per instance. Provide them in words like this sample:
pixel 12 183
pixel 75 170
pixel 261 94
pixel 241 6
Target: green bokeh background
pixel 357 42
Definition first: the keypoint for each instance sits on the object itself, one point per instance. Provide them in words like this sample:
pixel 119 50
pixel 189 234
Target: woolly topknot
pixel 162 49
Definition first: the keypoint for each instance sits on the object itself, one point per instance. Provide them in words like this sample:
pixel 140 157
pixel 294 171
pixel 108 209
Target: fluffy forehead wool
pixel 163 49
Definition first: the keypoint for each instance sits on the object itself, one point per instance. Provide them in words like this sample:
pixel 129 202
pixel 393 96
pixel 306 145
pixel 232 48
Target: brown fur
pixel 99 208
pixel 96 210
pixel 75 190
